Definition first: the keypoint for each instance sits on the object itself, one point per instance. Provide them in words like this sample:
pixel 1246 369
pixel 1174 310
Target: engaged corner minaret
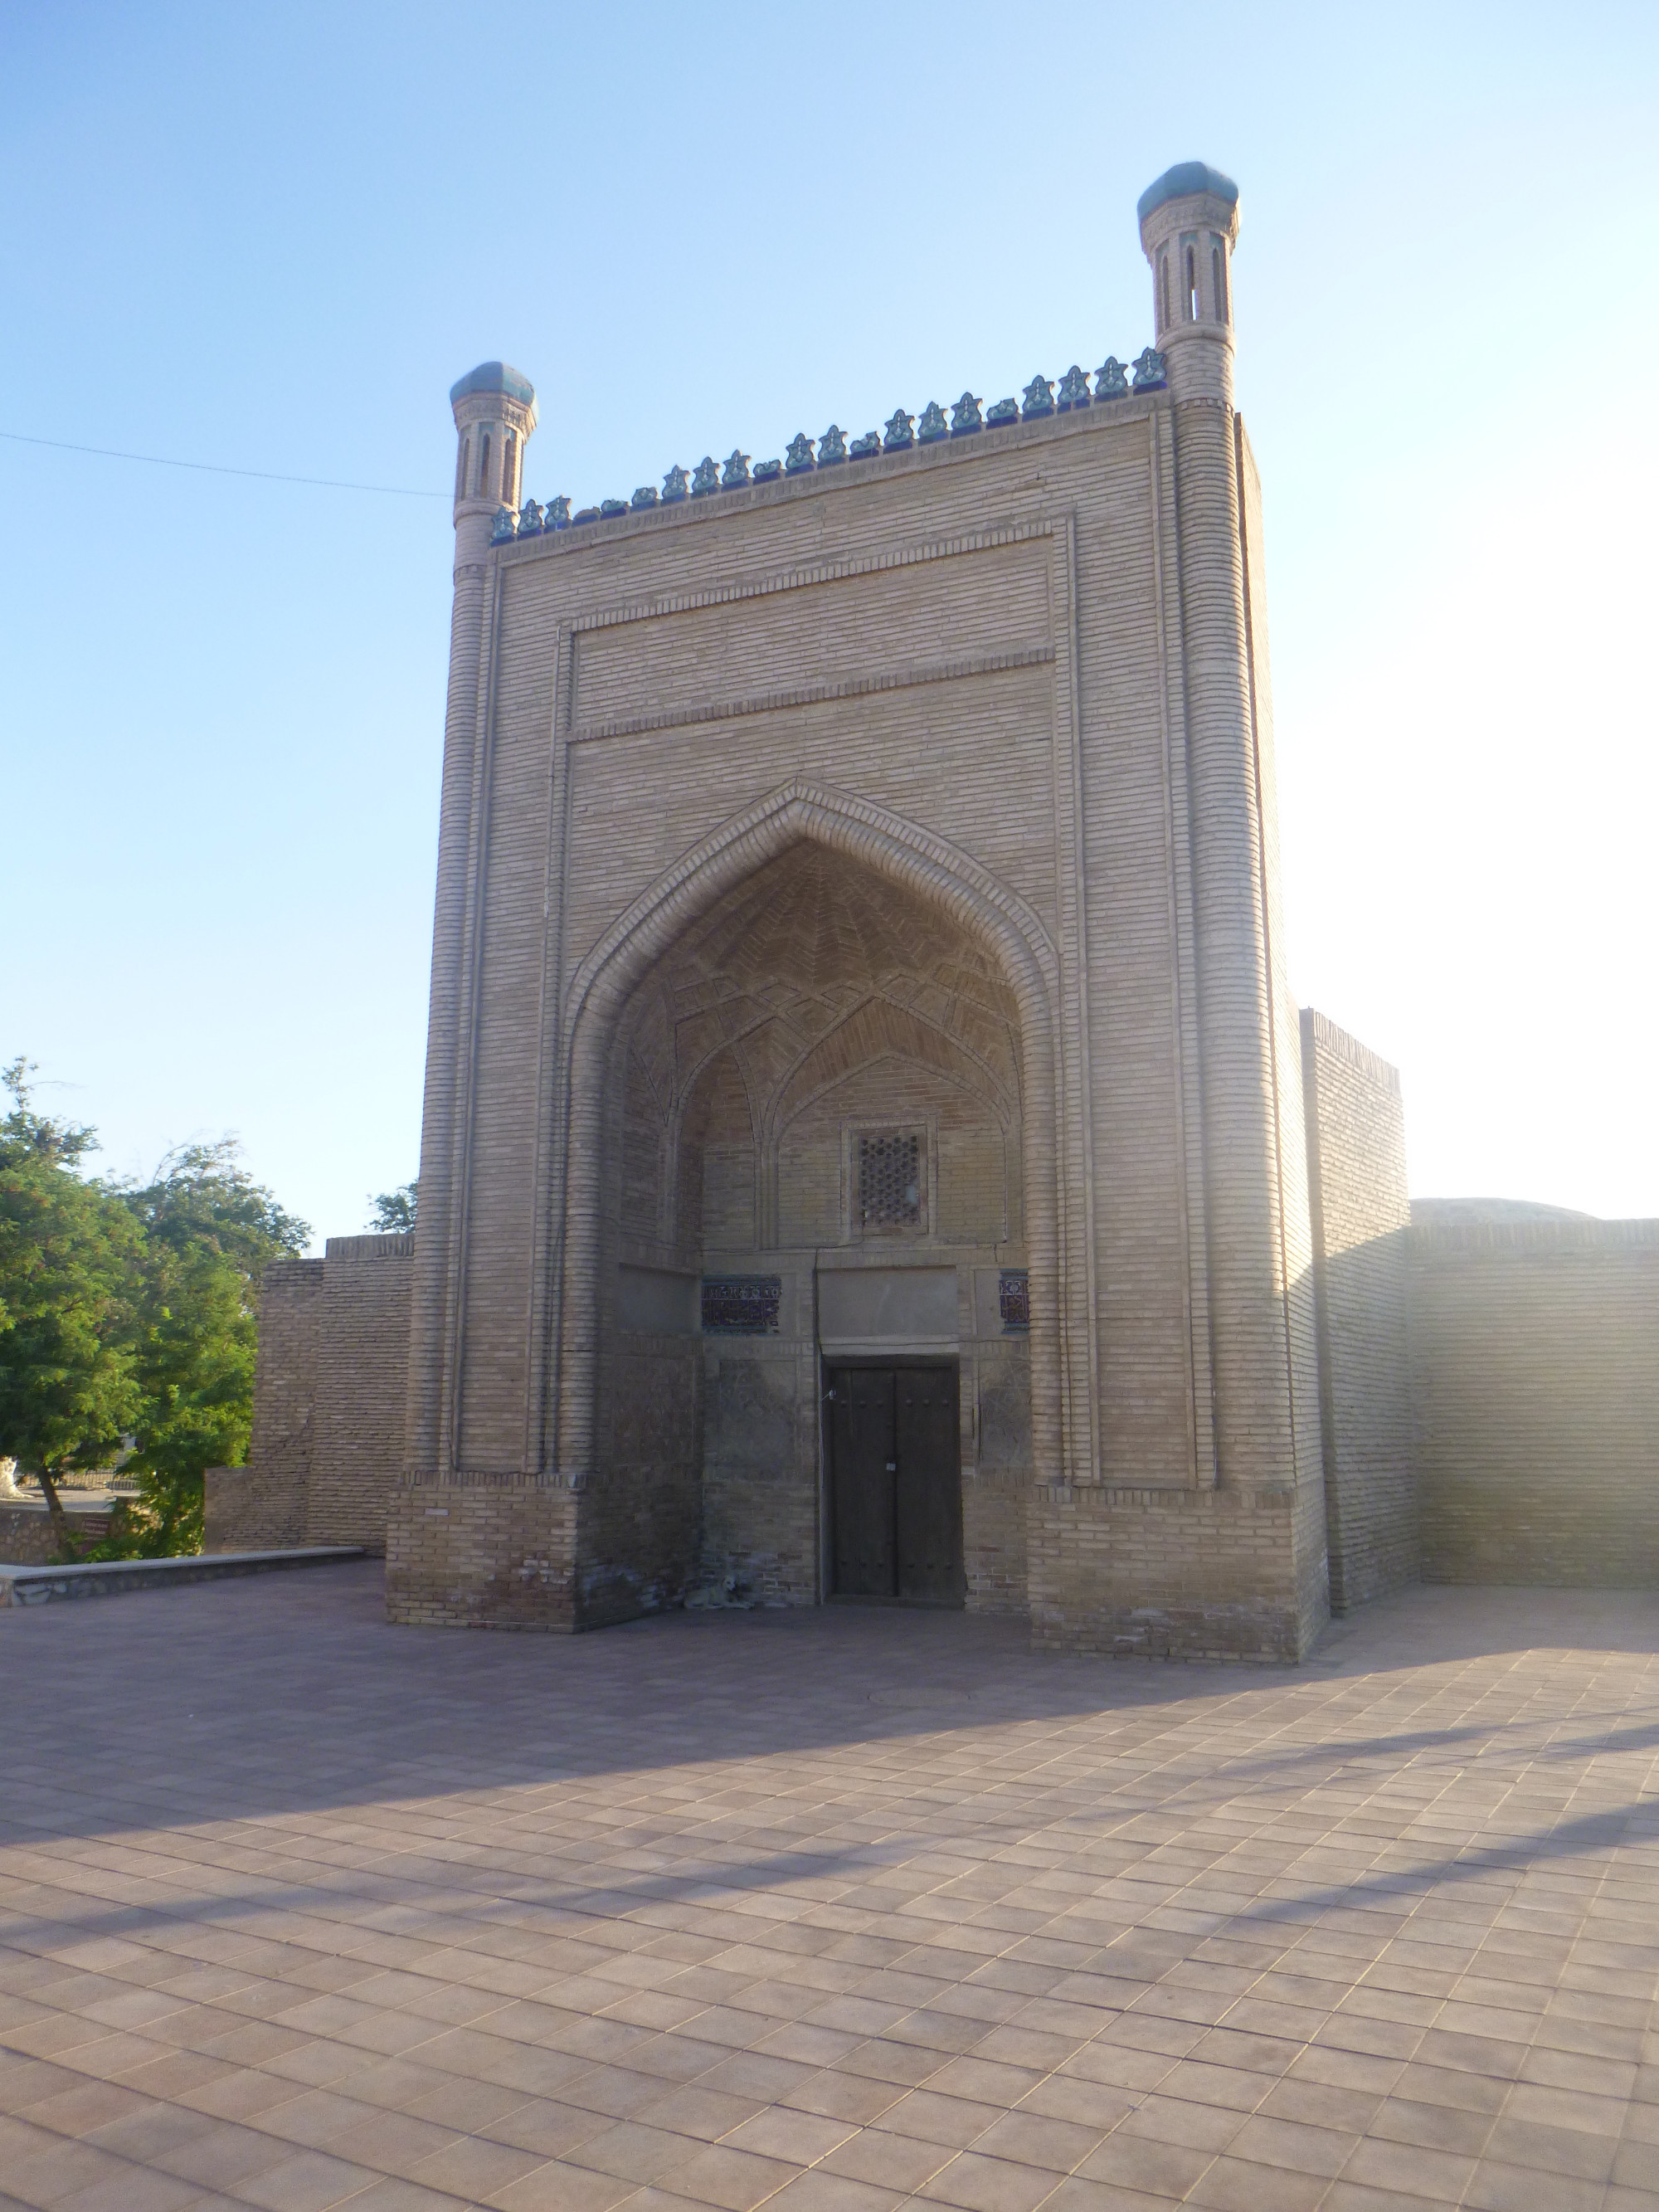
pixel 494 409
pixel 1256 1271
pixel 1188 226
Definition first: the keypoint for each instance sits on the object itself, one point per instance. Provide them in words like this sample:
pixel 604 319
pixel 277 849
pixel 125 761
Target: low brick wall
pixel 1535 1386
pixel 481 1554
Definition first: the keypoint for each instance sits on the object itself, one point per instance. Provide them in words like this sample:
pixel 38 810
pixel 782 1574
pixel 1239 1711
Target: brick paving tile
pixel 223 2157
pixel 781 2132
pixel 736 2180
pixel 475 2167
pixel 691 1914
pixel 1142 2162
pixel 1240 2185
pixel 558 2187
pixel 634 2151
pixel 888 2161
pixel 308 2182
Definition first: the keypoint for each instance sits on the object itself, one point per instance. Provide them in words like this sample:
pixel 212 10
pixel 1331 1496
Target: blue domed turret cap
pixel 1186 178
pixel 494 376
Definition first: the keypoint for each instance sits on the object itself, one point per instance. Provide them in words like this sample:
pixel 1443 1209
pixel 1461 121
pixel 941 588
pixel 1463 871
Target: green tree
pixel 209 1231
pixel 70 1268
pixel 395 1209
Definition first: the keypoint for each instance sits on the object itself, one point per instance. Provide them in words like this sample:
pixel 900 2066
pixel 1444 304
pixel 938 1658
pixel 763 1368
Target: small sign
pixel 741 1305
pixel 1014 1299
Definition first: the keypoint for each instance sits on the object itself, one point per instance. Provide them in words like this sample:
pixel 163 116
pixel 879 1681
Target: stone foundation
pixel 25 1532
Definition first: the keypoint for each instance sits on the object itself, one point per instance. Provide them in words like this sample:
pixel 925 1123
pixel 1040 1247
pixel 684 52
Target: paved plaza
pixel 830 1910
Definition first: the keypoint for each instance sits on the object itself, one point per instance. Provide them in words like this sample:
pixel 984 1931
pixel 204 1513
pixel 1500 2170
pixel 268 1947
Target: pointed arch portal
pixel 817 975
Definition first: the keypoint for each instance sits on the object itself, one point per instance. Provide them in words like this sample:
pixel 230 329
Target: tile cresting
pixel 803 455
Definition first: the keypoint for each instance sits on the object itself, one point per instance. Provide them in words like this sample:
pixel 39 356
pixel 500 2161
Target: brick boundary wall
pixel 1535 1380
pixel 329 1393
pixel 1361 1210
pixel 361 1388
pixel 263 1505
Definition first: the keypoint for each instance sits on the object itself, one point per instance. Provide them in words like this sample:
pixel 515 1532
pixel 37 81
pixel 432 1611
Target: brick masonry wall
pixel 760 1470
pixel 330 1393
pixel 1023 679
pixel 1535 1380
pixel 264 1505
pixel 1356 1137
pixel 1043 715
pixel 482 1555
pixel 996 1473
pixel 253 1508
pixel 638 1516
pixel 1209 1574
pixel 361 1388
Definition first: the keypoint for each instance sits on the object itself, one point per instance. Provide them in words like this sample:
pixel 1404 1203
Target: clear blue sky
pixel 270 236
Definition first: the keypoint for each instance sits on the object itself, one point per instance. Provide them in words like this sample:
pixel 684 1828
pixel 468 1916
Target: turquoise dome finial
pixel 494 376
pixel 1182 182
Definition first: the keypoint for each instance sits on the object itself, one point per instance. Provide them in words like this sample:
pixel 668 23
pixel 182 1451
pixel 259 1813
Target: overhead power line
pixel 218 468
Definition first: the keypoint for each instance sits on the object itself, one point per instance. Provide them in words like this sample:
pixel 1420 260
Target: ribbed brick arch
pixel 928 867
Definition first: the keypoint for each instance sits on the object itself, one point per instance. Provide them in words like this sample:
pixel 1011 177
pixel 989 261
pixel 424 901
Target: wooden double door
pixel 895 1483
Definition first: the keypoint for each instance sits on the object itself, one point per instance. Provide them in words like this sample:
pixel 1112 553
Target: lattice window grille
pixel 890 1180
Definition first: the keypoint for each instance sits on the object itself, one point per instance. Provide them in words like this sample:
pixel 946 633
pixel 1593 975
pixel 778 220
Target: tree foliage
pixel 129 1319
pixel 70 1264
pixel 210 1231
pixel 394 1209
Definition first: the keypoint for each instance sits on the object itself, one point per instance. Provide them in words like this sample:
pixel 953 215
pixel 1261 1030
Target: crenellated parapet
pixel 1041 399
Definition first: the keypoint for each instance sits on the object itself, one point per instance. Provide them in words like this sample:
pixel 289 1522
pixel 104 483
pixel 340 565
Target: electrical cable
pixel 217 468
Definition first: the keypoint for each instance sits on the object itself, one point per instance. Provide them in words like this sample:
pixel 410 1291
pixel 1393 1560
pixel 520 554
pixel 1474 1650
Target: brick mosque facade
pixel 870 1146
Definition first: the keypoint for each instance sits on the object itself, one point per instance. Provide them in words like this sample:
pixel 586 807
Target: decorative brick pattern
pixel 741 1305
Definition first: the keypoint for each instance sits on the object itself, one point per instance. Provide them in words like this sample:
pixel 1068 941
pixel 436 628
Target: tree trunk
pixel 60 1527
